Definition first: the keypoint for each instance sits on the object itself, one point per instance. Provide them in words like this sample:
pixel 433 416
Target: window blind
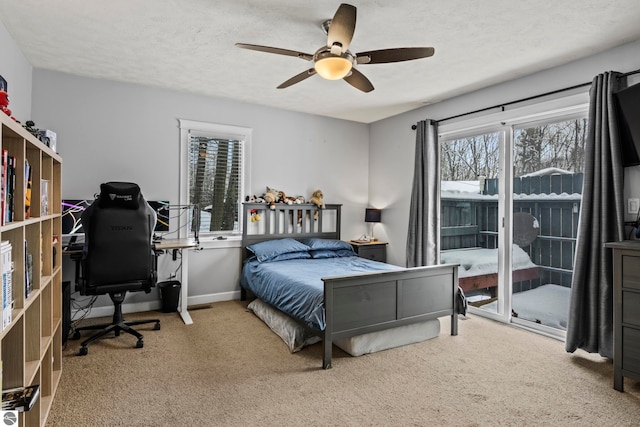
pixel 215 177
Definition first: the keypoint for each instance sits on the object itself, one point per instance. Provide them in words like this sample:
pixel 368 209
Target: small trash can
pixel 169 295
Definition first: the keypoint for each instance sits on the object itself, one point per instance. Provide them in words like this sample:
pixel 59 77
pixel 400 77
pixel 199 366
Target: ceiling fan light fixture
pixel 332 67
pixel 334 61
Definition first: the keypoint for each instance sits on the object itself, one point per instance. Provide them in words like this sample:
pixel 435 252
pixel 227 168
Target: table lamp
pixel 372 216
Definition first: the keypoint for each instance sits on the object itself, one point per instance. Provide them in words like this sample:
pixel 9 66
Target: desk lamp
pixel 372 216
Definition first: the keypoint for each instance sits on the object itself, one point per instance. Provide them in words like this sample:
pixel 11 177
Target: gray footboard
pixel 361 303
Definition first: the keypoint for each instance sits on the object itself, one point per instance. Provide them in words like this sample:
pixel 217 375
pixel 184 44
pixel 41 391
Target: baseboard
pixel 210 298
pixel 107 310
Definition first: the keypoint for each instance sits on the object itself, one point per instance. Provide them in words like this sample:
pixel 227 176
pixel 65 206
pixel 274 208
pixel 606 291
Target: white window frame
pixel 504 120
pixel 239 133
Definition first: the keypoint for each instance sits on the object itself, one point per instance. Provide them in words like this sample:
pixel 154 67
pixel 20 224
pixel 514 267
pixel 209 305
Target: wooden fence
pixel 553 200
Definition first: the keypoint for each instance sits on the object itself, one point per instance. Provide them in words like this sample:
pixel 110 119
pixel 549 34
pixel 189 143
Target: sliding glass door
pixel 548 160
pixel 510 200
pixel 472 229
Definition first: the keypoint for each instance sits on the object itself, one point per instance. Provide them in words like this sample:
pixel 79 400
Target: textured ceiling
pixel 188 45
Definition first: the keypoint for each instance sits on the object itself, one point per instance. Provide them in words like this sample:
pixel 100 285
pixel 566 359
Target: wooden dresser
pixel 626 311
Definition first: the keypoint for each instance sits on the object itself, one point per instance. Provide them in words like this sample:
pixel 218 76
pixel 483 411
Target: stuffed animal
pixel 290 200
pixel 271 197
pixel 4 103
pixel 282 197
pixel 254 199
pixel 317 198
pixel 255 216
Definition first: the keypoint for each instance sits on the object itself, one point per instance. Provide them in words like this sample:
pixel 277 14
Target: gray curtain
pixel 422 244
pixel 590 325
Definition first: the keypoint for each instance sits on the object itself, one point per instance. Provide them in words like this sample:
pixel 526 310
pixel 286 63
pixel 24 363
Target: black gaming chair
pixel 118 255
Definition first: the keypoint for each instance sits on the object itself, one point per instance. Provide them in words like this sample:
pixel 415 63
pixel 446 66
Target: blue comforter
pixel 295 286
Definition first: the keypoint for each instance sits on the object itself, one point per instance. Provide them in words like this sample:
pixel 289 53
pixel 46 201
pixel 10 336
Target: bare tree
pixel 214 180
pixel 466 159
pixel 550 145
pixel 558 145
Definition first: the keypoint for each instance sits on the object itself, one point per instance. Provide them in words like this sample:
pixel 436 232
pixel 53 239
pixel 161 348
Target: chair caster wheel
pixel 156 327
pixel 83 351
pixel 76 335
pixel 140 344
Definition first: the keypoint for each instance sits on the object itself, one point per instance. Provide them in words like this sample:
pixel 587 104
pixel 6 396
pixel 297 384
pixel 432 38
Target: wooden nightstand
pixel 376 251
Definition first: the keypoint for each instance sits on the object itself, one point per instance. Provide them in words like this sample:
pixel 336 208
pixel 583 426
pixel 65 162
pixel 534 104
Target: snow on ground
pixel 480 261
pixel 547 305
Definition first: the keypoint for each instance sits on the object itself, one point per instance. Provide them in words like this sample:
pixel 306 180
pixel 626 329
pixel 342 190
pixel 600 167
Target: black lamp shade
pixel 372 215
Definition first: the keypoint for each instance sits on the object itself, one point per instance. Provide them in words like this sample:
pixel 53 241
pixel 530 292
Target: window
pixel 213 175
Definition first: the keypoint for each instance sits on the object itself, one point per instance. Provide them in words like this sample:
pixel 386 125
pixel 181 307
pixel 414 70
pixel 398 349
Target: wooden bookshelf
pixel 31 344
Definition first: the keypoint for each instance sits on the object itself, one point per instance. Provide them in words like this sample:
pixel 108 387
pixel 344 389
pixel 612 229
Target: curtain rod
pixel 553 92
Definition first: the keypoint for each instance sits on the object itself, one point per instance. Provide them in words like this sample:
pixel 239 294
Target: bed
pixel 336 297
pixel 479 266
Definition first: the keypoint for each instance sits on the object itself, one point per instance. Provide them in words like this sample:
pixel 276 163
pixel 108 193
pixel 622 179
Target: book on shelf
pixel 44 197
pixel 7 282
pixel 28 271
pixel 20 398
pixel 7 187
pixel 54 249
pixel 27 189
pixel 10 179
pixel 3 185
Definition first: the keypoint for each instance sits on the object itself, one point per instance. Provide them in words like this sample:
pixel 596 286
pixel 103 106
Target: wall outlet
pixel 633 205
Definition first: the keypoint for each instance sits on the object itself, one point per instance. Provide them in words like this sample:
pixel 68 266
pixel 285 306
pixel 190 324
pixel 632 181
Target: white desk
pixel 182 245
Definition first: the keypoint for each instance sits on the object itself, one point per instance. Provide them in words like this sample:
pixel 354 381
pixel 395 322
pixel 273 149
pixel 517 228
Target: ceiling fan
pixel 334 61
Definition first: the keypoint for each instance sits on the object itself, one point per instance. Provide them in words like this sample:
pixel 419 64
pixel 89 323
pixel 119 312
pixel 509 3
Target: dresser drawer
pixel 631 272
pixel 630 308
pixel 374 252
pixel 631 349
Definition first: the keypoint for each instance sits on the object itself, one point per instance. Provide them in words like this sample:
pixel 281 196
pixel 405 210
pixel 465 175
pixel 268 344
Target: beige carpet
pixel 228 369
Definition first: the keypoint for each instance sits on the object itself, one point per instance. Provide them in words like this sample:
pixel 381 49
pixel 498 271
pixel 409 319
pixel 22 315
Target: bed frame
pixel 359 303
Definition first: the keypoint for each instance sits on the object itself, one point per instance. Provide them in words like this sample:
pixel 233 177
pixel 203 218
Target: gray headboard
pixel 297 221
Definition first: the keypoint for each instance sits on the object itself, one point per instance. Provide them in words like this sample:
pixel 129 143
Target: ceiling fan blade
pixel 394 55
pixel 359 81
pixel 298 78
pixel 342 27
pixel 276 50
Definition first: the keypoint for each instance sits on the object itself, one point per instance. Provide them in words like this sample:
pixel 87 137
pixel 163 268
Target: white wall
pixel 16 70
pixel 110 131
pixel 392 141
